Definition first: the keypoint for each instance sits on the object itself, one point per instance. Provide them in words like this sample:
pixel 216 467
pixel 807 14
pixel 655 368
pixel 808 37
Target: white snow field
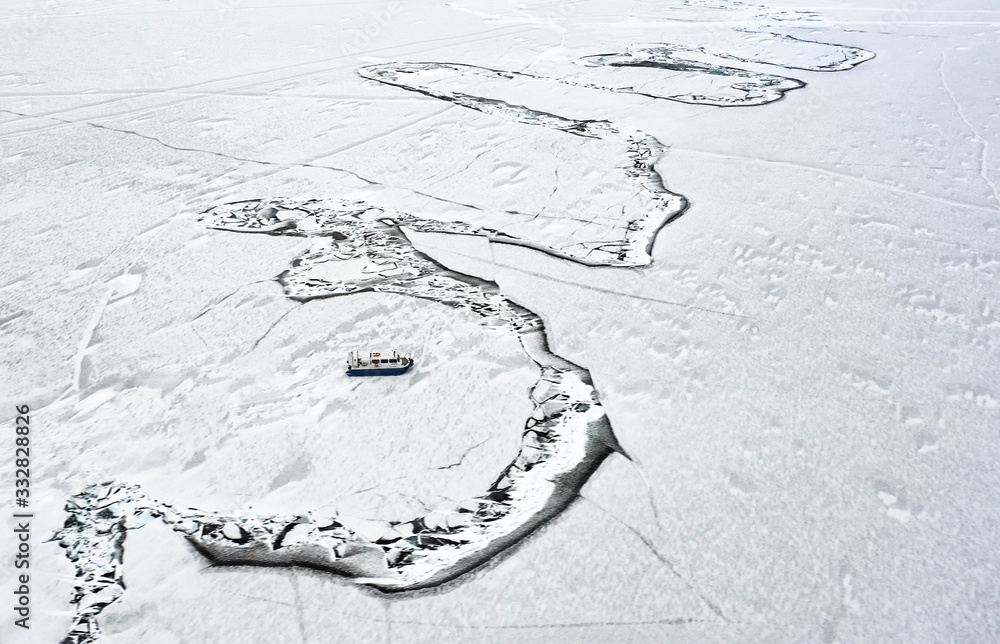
pixel 702 294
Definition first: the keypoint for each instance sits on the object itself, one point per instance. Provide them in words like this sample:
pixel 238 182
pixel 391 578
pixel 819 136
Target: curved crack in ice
pixel 984 143
pixel 361 248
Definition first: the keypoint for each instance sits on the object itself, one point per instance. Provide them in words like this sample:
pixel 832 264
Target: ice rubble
pixel 563 441
pixel 364 248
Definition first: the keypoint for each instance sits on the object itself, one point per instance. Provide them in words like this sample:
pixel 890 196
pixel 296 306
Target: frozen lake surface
pixel 702 297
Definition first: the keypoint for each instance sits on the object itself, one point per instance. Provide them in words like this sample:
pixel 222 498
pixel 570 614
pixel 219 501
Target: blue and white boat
pixel 377 363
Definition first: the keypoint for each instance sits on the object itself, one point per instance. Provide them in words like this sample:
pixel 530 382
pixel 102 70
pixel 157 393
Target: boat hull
pixel 387 371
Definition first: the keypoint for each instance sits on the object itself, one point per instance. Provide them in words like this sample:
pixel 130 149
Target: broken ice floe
pixel 716 84
pixel 92 536
pixel 563 441
pixel 362 248
pixel 749 46
pixel 614 238
pixel 680 72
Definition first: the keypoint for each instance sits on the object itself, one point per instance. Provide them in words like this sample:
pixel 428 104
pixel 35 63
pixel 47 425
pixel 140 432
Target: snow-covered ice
pixel 702 296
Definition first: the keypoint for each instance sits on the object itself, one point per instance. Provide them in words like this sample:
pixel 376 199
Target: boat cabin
pixel 377 363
